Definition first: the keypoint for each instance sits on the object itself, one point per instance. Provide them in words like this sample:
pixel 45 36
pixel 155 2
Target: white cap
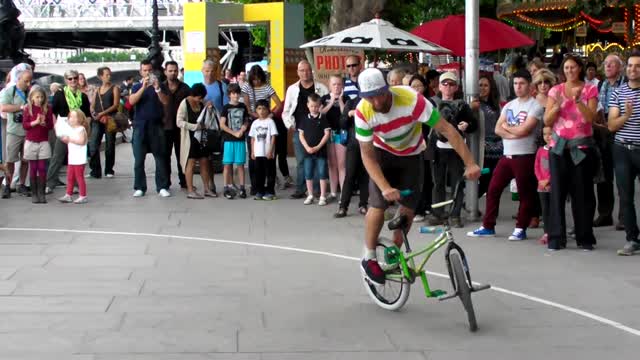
pixel 371 83
pixel 449 76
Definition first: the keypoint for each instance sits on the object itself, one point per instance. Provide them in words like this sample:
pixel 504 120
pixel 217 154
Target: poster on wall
pixel 331 61
pixel 195 42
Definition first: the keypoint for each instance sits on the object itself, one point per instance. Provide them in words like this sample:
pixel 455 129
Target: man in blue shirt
pixel 148 133
pixel 216 88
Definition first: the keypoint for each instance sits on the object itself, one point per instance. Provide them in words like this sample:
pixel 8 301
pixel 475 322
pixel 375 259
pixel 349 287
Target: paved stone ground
pixel 96 296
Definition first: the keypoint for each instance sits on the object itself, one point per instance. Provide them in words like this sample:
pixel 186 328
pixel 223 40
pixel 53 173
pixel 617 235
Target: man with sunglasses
pixel 388 123
pixel 71 98
pixel 448 166
pixel 351 82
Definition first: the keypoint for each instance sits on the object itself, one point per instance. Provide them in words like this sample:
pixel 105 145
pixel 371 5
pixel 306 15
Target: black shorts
pixel 402 172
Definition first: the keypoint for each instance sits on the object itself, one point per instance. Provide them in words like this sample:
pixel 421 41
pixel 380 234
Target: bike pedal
pixel 438 293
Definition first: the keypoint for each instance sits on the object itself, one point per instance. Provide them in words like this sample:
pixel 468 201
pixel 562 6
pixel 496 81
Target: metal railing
pixel 96 8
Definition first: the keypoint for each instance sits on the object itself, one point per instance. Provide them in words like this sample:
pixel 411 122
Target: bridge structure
pixel 97 23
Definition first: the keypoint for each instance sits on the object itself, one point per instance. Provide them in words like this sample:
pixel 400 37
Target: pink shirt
pixel 541 166
pixel 570 123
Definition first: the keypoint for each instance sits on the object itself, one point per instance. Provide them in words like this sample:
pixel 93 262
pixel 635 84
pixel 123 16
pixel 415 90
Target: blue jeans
pixel 315 167
pixel 149 139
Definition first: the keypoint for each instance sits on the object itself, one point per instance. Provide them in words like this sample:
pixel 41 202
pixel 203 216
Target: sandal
pixel 340 214
pixel 210 194
pixel 194 195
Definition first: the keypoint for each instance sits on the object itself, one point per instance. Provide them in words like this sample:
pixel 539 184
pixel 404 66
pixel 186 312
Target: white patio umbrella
pixel 377 34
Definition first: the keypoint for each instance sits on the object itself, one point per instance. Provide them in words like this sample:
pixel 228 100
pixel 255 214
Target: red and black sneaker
pixel 373 271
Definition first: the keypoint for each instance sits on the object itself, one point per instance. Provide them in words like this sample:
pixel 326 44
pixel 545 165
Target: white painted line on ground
pixel 556 305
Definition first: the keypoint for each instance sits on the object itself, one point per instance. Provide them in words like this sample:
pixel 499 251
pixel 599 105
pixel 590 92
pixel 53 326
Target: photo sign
pixel 329 61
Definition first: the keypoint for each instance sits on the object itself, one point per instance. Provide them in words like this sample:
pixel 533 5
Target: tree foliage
pixel 105 56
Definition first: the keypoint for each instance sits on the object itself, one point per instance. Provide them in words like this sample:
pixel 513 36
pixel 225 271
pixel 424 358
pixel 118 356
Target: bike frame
pixel 407 260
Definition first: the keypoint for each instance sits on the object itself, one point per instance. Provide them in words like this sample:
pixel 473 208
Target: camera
pixel 17 117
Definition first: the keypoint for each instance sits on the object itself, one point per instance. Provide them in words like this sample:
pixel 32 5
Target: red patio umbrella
pixel 449 33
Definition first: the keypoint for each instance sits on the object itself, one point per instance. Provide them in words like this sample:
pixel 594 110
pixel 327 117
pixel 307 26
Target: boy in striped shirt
pixel 389 128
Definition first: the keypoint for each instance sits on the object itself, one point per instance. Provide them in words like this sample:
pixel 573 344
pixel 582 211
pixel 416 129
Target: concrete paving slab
pixel 57 273
pixel 20 261
pixel 268 303
pixel 54 322
pixel 159 341
pixel 13 249
pixel 313 341
pixel 102 249
pixel 132 261
pixel 56 304
pixel 7 287
pixel 6 272
pixel 112 288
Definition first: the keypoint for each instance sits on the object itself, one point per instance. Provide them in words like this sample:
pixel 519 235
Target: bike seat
pixel 399 222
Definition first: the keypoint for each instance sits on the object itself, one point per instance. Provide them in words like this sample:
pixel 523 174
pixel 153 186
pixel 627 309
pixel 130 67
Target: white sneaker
pixel 322 201
pixel 308 200
pixel 81 200
pixel 138 193
pixel 164 193
pixel 65 199
pixel 109 176
pixel 418 218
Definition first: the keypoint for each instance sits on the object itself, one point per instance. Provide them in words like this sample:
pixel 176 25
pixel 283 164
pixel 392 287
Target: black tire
pixel 393 294
pixel 462 287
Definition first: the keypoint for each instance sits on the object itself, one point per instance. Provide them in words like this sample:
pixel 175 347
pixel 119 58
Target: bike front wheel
pixel 462 287
pixel 395 292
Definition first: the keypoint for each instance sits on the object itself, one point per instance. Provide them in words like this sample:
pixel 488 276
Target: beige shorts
pixel 15 148
pixel 37 150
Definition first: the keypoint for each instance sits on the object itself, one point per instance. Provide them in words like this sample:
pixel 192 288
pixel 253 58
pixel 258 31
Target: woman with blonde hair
pixel 543 81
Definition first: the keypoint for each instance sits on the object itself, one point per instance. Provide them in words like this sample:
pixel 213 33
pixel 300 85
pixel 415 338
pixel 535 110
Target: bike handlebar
pixel 407 192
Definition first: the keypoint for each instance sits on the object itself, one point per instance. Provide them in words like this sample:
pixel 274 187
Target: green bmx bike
pixel 401 270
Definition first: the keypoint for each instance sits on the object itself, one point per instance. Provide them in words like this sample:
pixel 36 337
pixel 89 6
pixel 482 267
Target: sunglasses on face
pixel 353 65
pixel 72 78
pixel 448 84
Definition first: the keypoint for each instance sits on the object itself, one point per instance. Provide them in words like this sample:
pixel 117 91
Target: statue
pixel 12 41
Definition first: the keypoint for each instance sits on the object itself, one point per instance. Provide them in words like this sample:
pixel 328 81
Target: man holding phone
pixel 148 99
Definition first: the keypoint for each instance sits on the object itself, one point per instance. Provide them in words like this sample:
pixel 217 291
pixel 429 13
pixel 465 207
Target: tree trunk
pixel 348 13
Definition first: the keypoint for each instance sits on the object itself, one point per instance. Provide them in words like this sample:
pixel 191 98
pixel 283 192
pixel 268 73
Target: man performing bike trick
pixel 389 128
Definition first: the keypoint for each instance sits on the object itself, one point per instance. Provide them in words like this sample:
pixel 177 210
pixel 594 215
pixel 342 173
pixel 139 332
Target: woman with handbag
pixel 193 147
pixel 103 110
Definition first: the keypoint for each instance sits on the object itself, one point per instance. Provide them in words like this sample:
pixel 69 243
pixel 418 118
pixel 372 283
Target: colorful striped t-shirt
pixel 400 130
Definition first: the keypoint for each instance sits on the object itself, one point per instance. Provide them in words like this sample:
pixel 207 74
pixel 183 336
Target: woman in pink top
pixel 570 111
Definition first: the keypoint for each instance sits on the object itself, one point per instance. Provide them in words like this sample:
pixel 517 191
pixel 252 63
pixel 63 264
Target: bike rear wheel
pixel 462 287
pixel 395 292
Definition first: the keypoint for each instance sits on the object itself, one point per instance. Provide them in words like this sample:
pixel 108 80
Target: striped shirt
pixel 400 130
pixel 630 131
pixel 351 88
pixel 264 92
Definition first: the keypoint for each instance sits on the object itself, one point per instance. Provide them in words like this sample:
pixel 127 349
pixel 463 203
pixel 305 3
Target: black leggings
pixel 281 147
pixel 355 171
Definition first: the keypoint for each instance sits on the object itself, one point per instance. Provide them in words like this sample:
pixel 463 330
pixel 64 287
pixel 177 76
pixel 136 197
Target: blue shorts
pixel 234 153
pixel 315 165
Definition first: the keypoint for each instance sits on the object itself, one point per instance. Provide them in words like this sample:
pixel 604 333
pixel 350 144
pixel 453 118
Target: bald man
pixel 613 70
pixel 295 110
